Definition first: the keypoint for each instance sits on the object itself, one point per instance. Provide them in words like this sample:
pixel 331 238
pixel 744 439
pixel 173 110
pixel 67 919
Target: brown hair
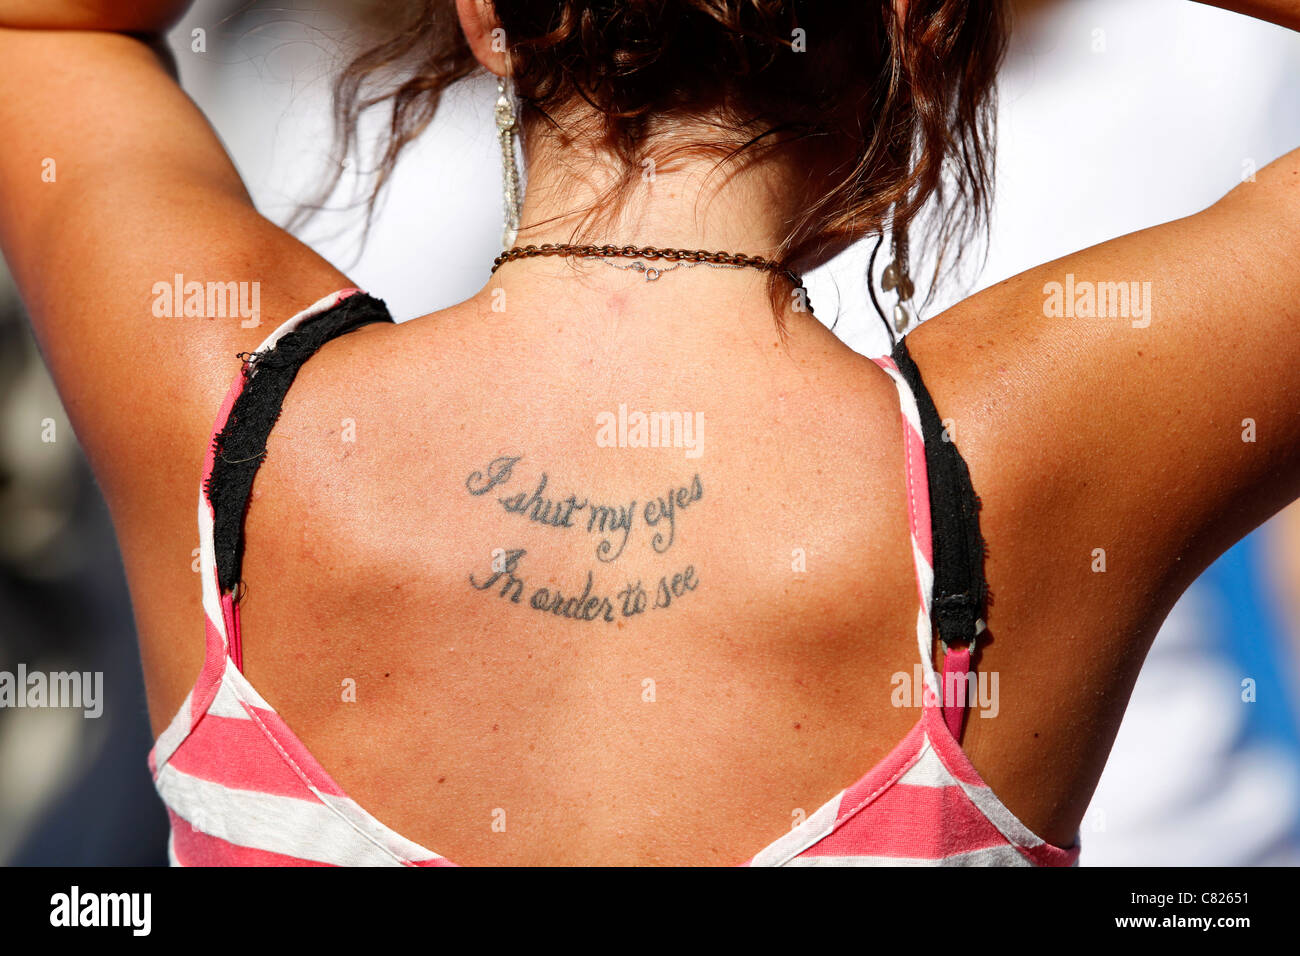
pixel 909 105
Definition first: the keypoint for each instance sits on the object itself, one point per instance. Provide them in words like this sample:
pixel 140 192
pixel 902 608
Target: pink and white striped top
pixel 241 789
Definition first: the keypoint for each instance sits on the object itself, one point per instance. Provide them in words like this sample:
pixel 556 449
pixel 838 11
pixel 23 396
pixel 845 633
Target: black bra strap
pixel 240 447
pixel 960 590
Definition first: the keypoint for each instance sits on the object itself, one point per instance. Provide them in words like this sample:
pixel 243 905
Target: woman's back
pixel 420 492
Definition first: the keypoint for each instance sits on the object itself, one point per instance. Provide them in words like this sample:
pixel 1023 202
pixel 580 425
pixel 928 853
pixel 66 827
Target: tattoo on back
pixel 611 524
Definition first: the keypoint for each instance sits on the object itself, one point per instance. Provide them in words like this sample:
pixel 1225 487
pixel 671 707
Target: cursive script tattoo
pixel 586 605
pixel 657 511
pixel 613 523
pixel 611 519
pixel 543 510
pixel 511 586
pixel 498 473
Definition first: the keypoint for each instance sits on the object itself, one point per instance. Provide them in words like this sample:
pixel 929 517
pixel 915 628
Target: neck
pixel 689 201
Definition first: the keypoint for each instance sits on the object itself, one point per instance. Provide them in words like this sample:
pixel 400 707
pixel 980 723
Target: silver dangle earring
pixel 507 132
pixel 895 279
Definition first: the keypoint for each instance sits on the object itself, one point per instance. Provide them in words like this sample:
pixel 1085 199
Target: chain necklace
pixel 687 257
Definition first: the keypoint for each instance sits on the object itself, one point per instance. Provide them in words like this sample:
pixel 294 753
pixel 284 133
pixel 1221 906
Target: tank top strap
pixel 947 547
pixel 918 517
pixel 238 446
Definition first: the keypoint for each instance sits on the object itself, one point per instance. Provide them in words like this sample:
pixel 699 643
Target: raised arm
pixel 1282 12
pixel 112 185
pixel 1128 412
pixel 1153 381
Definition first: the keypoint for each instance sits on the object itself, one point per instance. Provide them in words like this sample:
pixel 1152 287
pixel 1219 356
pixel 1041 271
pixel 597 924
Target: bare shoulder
pixel 1140 397
pixel 1127 412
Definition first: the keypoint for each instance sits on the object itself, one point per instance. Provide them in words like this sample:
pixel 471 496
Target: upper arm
pixel 1157 439
pixel 1115 461
pixel 112 185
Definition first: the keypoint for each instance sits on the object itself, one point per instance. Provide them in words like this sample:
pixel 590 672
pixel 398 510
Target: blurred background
pixel 1113 116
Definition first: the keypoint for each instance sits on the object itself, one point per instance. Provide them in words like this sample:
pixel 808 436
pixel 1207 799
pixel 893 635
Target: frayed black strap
pixel 240 446
pixel 960 589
